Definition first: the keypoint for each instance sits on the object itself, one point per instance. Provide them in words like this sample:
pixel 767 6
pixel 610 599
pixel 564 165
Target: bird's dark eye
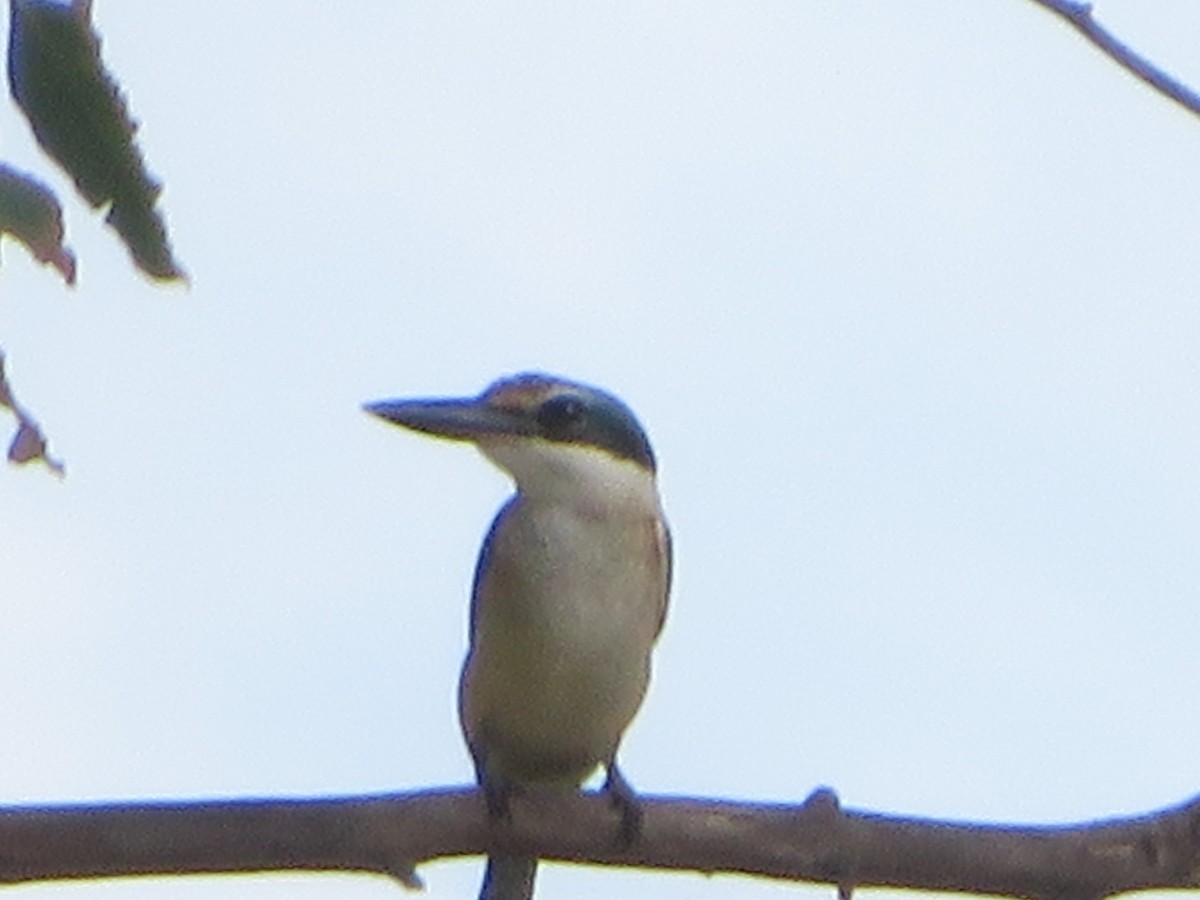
pixel 561 416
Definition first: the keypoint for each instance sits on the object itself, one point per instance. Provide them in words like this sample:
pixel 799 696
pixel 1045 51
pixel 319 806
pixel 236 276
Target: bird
pixel 569 597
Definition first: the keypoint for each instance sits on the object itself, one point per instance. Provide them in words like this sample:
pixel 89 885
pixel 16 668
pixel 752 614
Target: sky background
pixel 906 294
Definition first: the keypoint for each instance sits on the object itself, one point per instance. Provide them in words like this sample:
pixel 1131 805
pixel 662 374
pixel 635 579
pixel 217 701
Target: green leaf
pixel 29 212
pixel 28 444
pixel 80 119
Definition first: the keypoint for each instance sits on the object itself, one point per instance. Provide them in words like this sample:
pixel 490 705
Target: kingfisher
pixel 569 597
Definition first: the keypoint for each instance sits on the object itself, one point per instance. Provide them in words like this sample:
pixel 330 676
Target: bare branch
pixel 815 841
pixel 1079 16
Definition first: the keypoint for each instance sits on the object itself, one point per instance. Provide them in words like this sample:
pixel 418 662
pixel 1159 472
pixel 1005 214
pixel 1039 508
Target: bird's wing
pixel 483 563
pixel 666 553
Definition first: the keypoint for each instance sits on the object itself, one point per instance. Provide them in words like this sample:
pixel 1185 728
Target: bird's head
pixel 557 438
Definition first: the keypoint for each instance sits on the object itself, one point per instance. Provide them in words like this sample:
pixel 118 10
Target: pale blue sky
pixel 906 294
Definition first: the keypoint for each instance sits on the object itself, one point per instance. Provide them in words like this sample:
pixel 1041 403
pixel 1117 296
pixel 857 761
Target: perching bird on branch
pixel 570 592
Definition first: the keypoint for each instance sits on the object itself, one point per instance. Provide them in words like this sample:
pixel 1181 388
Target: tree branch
pixel 816 841
pixel 1079 16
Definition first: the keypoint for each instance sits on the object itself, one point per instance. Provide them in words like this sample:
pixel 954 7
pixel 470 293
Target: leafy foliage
pixel 80 119
pixel 30 212
pixel 29 444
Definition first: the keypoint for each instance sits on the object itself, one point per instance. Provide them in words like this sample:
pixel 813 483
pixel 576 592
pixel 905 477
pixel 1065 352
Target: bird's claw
pixel 624 800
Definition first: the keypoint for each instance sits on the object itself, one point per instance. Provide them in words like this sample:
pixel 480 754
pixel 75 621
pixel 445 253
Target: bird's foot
pixel 497 792
pixel 624 800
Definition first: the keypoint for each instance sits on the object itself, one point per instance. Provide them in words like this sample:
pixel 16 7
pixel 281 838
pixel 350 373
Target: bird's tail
pixel 508 878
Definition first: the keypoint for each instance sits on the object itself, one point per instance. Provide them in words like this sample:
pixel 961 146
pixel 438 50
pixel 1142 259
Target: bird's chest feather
pixel 566 610
pixel 577 581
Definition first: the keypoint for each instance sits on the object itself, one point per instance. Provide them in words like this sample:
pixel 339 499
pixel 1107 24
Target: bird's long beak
pixel 457 419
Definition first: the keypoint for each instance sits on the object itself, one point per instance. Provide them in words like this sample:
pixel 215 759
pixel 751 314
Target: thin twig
pixel 1079 16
